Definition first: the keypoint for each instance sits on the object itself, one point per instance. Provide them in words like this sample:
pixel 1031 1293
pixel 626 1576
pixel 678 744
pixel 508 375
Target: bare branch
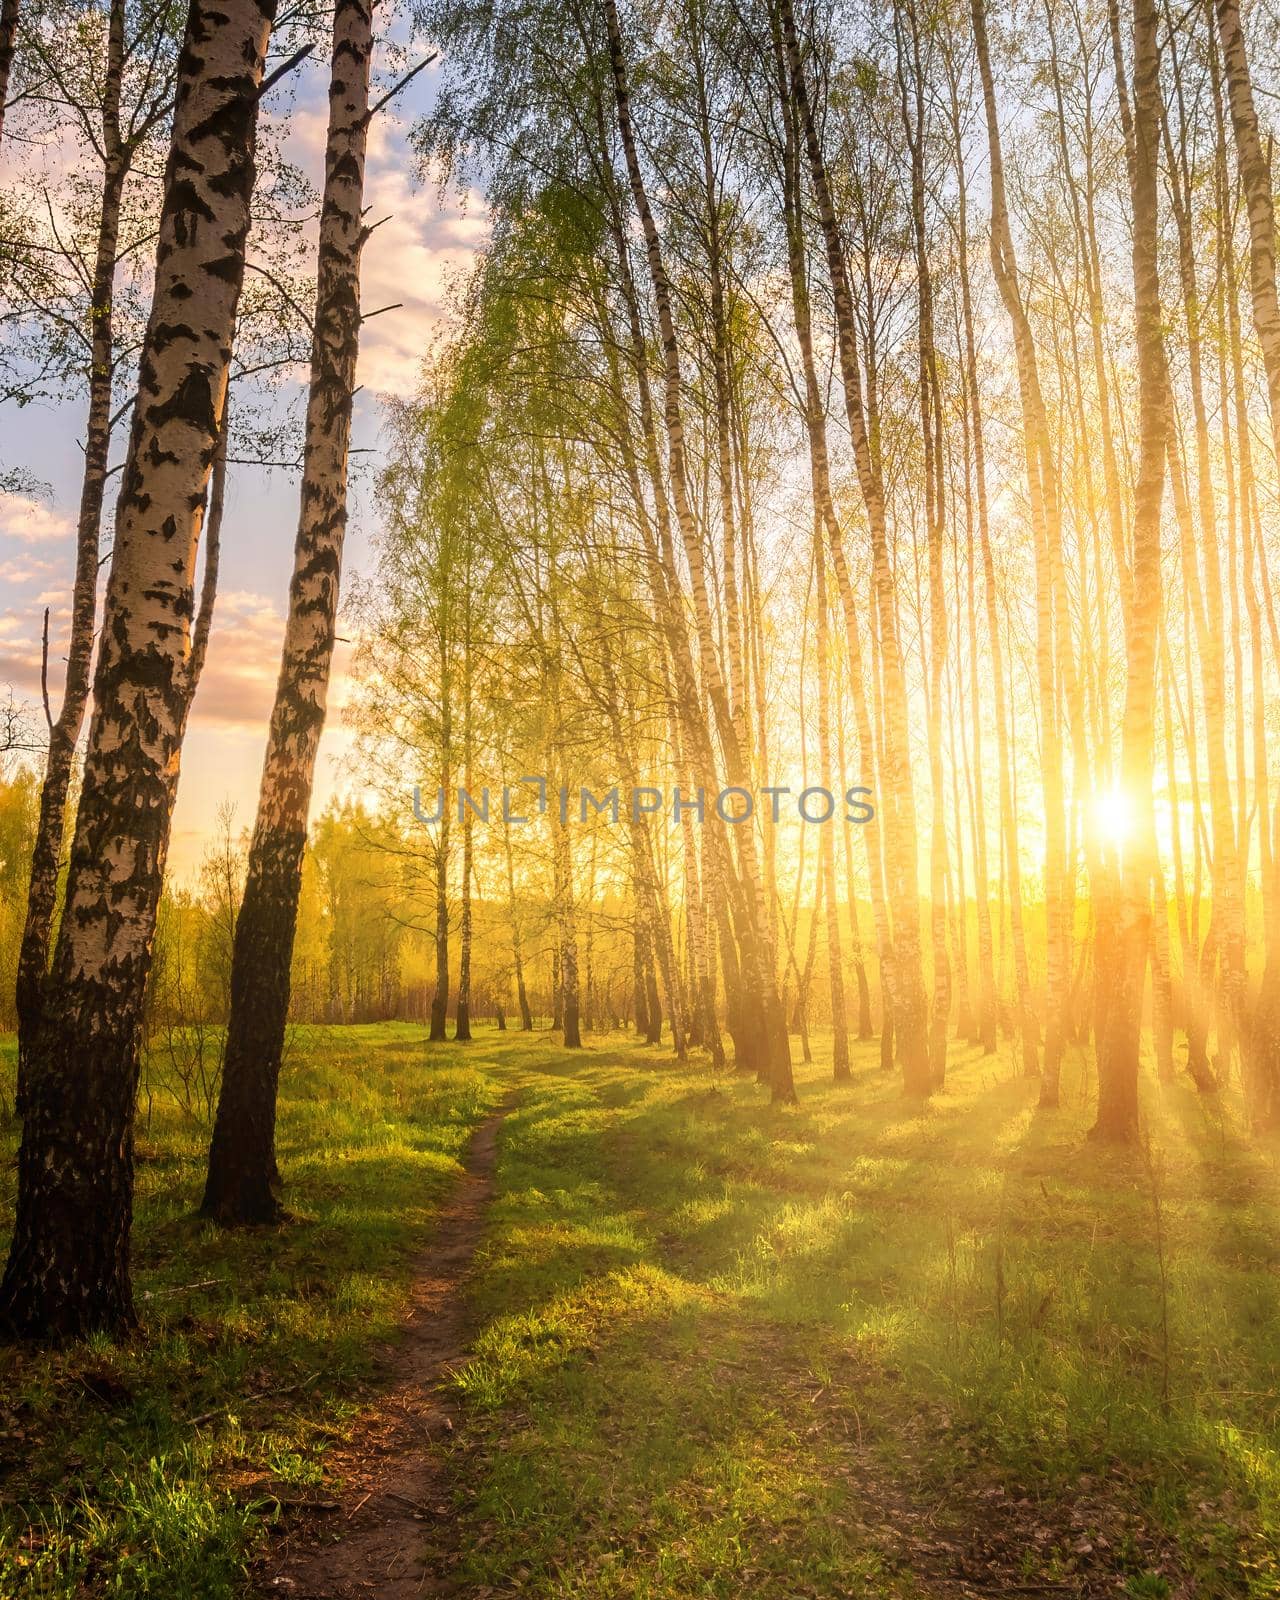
pixel 396 88
pixel 44 671
pixel 284 68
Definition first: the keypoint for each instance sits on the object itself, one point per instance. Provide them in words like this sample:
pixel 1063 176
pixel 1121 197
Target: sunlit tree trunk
pixel 912 89
pixel 567 923
pixel 64 731
pixel 652 914
pixel 909 1004
pixel 700 889
pixel 517 941
pixel 242 1178
pixel 1256 180
pixel 68 1267
pixel 1119 1047
pixel 690 736
pixel 1037 452
pixel 718 307
pixel 820 477
pixel 438 1031
pixel 462 1013
pixel 639 954
pixel 1206 610
pixel 1027 1030
pixel 866 1029
pixel 759 954
pixel 835 956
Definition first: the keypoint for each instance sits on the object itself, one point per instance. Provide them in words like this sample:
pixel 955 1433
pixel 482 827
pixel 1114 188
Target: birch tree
pixel 242 1178
pixel 68 1267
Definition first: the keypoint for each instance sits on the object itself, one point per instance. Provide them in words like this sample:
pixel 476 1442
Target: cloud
pixel 25 570
pixel 420 246
pixel 29 522
pixel 21 668
pixel 425 245
pixel 240 670
pixel 20 647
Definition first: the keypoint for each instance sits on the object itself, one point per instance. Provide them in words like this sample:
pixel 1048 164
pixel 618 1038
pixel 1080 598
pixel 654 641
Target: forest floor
pixel 712 1348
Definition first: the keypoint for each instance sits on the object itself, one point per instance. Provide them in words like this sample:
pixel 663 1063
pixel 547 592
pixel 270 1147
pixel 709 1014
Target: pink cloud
pixel 30 522
pixel 414 255
pixel 26 569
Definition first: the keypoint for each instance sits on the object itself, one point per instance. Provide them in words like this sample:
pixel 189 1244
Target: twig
pixel 286 66
pixel 159 1294
pixel 413 1505
pixel 1019 1588
pixel 44 671
pixel 282 291
pixel 396 88
pixel 248 1399
pixel 361 1501
pixel 395 306
pixel 297 1502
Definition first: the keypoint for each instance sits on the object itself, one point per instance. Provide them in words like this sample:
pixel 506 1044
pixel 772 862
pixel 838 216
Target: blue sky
pixel 411 258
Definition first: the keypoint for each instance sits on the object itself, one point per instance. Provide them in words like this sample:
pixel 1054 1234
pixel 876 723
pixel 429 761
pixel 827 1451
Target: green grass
pixel 107 1485
pixel 857 1348
pixel 848 1349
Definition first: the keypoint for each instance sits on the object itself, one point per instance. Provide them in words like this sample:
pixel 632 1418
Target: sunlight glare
pixel 1113 812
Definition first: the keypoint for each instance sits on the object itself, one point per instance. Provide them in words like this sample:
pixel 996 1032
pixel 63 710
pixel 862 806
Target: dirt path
pixel 375 1541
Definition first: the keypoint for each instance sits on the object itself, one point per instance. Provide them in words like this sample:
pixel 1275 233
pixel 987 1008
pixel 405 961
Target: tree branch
pixel 396 88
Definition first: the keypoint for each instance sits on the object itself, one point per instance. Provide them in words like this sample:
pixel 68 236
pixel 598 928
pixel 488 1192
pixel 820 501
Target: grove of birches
pixel 866 394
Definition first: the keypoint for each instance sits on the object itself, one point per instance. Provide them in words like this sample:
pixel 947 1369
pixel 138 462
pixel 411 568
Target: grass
pixel 859 1348
pixel 150 1467
pixel 852 1348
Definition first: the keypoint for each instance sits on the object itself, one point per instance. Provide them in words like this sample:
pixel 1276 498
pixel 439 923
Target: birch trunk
pixel 33 954
pixel 1009 858
pixel 909 1009
pixel 462 1012
pixel 911 88
pixel 68 1267
pixel 1204 601
pixel 820 476
pixel 835 956
pixel 1255 179
pixel 758 953
pixel 517 943
pixel 242 1178
pixel 1118 1048
pixel 10 11
pixel 1037 453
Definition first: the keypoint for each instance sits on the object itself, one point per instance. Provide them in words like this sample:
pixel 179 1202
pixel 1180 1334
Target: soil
pixel 374 1539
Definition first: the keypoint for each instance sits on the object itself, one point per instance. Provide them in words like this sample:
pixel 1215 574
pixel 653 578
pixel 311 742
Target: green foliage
pixel 19 805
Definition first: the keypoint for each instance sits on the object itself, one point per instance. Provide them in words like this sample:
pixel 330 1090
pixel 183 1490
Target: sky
pixel 412 258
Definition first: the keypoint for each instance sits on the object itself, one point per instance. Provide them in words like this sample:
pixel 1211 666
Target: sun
pixel 1113 813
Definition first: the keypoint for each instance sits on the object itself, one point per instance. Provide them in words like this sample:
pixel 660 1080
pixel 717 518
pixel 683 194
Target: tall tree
pixel 912 89
pixel 910 1020
pixel 242 1178
pixel 827 865
pixel 9 15
pixel 1118 1048
pixel 117 125
pixel 1256 180
pixel 68 1266
pixel 1043 496
pixel 758 949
